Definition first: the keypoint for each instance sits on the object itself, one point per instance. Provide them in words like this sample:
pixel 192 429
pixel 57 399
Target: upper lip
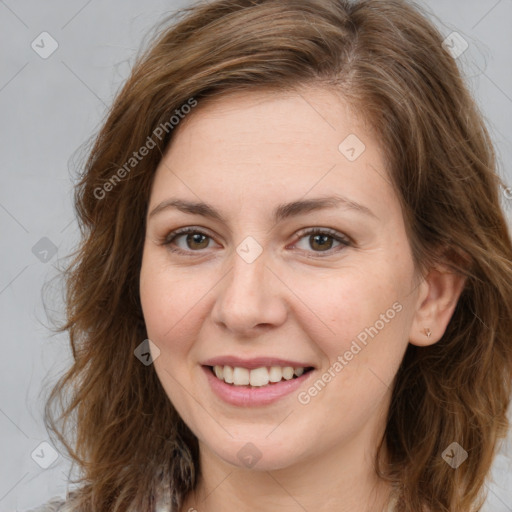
pixel 255 362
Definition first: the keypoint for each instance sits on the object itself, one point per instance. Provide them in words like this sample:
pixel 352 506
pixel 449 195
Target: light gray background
pixel 49 107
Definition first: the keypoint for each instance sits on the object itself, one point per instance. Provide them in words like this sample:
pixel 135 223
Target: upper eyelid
pixel 301 233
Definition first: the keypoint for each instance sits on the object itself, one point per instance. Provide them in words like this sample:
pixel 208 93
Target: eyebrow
pixel 281 212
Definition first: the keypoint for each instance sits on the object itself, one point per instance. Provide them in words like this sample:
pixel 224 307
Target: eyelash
pixel 344 240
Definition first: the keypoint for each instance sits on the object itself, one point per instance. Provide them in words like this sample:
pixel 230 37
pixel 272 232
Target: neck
pixel 342 479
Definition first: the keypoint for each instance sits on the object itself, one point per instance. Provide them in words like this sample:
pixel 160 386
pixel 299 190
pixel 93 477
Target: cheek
pixel 170 298
pixel 334 307
pixel 167 303
pixel 364 345
pixel 354 306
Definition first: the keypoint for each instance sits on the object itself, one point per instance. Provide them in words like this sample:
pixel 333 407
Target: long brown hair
pixel 387 60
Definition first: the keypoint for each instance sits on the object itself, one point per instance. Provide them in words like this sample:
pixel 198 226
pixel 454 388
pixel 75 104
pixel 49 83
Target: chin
pixel 258 454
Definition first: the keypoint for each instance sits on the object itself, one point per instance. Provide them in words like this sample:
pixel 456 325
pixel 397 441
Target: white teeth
pixel 288 372
pixel 259 377
pixel 227 374
pixel 256 377
pixel 218 371
pixel 240 376
pixel 275 374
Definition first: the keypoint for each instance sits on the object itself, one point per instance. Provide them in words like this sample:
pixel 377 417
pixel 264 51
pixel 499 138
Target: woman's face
pixel 250 288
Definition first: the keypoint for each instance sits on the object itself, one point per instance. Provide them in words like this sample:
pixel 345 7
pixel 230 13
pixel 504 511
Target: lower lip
pixel 253 396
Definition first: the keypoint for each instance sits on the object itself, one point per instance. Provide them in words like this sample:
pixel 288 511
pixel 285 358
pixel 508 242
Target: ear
pixel 438 295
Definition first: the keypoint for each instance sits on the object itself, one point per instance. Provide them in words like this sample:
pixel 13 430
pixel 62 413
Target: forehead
pixel 285 144
pixel 307 117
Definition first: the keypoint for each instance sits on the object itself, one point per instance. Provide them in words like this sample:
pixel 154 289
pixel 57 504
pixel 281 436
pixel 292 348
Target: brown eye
pixel 195 240
pixel 323 240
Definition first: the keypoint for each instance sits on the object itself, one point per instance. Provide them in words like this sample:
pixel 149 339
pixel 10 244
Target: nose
pixel 250 297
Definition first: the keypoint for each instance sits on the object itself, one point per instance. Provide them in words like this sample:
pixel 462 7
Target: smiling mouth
pixel 257 377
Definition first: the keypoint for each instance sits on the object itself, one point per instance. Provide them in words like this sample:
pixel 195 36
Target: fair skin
pixel 303 297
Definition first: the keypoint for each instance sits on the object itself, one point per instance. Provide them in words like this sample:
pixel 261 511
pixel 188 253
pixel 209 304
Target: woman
pixel 294 288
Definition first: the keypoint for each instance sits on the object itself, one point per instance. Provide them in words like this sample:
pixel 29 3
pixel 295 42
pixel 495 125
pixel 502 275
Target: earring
pixel 427 332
